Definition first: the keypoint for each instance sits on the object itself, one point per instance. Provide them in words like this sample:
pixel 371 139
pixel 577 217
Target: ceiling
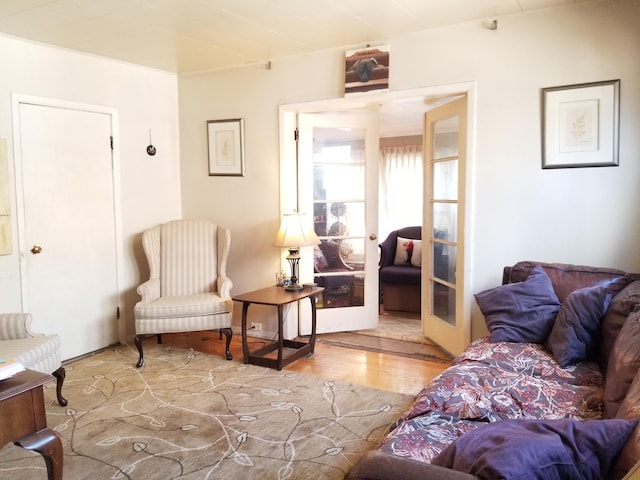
pixel 186 36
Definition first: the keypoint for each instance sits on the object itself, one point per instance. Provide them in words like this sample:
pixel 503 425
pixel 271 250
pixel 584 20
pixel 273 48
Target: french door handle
pixel 36 249
pixel 373 236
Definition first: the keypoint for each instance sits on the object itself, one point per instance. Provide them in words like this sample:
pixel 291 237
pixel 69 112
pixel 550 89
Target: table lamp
pixel 292 235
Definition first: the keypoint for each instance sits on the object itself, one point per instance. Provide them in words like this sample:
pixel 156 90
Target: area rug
pixel 192 415
pixel 404 326
pixel 361 341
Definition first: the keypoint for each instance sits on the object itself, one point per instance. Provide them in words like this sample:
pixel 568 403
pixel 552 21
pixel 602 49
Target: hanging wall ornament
pixel 151 150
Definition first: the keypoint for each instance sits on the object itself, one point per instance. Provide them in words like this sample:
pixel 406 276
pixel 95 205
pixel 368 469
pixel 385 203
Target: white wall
pixel 584 216
pixel 145 99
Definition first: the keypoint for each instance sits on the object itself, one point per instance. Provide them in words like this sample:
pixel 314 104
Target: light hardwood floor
pixel 376 370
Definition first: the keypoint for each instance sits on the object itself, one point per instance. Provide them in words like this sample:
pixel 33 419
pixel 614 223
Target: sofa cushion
pixel 630 409
pixel 575 335
pixel 538 449
pixel 623 365
pixel 404 249
pixel 522 311
pixel 620 308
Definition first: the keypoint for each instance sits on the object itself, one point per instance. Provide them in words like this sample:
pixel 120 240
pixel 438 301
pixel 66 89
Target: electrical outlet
pixel 256 326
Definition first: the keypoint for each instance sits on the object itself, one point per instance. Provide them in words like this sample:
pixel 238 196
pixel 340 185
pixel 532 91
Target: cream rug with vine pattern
pixel 192 415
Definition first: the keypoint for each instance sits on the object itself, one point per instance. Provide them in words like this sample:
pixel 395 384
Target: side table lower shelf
pixel 278 297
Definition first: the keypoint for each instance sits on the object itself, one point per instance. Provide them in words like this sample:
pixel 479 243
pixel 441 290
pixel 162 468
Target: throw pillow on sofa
pixel 404 249
pixel 522 311
pixel 575 335
pixel 416 255
pixel 620 308
pixel 630 409
pixel 623 364
pixel 538 449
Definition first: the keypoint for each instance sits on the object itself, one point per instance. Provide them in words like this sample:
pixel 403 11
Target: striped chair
pixel 188 289
pixel 34 351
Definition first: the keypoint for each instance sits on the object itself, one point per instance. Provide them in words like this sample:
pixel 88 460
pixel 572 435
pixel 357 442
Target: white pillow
pixel 404 247
pixel 416 256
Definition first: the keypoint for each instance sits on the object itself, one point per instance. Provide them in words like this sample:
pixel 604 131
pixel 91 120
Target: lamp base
pixel 293 287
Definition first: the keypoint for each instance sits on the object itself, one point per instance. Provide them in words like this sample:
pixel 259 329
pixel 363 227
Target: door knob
pixel 36 249
pixel 373 236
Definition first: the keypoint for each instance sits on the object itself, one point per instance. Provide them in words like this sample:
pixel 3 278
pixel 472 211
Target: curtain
pixel 400 188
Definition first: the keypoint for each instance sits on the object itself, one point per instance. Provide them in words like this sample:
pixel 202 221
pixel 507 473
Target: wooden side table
pixel 24 421
pixel 278 297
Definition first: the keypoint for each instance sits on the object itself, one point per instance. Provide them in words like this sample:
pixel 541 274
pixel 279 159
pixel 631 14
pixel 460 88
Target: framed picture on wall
pixel 366 70
pixel 226 147
pixel 580 125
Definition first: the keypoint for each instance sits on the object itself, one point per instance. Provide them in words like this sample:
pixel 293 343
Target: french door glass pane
pixel 444 303
pixel 445 180
pixel 445 138
pixel 339 215
pixel 444 258
pixel 445 217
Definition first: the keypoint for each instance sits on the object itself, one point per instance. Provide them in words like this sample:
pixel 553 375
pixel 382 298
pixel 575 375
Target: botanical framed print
pixel 226 147
pixel 580 125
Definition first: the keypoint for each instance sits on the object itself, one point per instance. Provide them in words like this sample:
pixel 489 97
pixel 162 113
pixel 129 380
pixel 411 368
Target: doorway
pixel 68 236
pixel 399 114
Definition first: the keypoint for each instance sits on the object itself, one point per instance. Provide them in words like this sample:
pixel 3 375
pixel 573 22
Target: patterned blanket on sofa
pixel 489 382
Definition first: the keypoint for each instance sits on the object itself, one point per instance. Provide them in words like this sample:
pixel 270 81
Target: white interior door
pixel 338 183
pixel 68 238
pixel 445 318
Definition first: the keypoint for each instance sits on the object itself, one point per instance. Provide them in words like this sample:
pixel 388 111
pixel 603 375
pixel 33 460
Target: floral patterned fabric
pixel 490 382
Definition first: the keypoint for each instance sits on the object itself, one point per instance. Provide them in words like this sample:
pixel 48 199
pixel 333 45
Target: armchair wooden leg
pixel 138 341
pixel 228 333
pixel 60 374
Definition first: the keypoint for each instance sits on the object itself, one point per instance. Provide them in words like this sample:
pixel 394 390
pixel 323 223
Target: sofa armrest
pixel 149 290
pixel 15 325
pixel 379 465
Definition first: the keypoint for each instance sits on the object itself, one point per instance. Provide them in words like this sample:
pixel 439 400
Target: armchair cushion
pixel 184 306
pixel 401 275
pixel 34 351
pixel 40 353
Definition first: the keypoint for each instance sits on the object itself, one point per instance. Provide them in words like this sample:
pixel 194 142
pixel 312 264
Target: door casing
pixel 432 97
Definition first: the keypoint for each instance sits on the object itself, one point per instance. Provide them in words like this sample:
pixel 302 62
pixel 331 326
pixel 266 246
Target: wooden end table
pixel 278 297
pixel 24 420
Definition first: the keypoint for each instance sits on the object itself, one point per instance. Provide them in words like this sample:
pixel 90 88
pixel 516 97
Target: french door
pixel 337 185
pixel 445 317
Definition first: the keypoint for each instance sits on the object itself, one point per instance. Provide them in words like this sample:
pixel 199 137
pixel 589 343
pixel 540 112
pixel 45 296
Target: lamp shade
pixel 293 232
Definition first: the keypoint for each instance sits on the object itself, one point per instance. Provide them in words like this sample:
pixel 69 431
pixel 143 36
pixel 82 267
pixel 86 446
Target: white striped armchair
pixel 34 351
pixel 188 289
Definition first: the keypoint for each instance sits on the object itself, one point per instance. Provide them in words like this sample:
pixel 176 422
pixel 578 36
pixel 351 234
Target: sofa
pixel 399 269
pixel 552 392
